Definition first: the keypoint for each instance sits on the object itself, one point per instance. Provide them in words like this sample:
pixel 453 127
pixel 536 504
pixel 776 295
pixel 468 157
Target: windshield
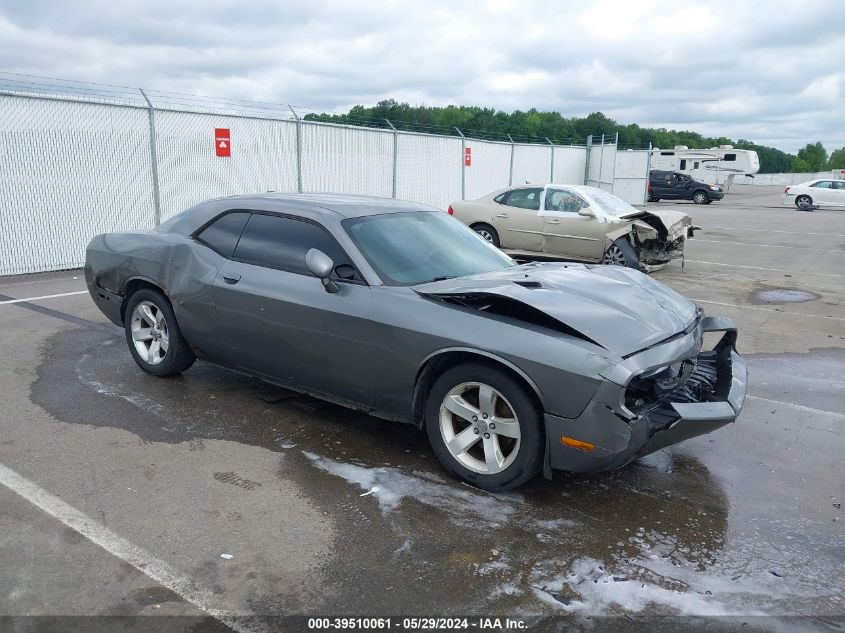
pixel 412 248
pixel 610 204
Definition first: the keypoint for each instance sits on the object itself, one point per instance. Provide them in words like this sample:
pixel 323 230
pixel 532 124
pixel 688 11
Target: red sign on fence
pixel 468 157
pixel 222 142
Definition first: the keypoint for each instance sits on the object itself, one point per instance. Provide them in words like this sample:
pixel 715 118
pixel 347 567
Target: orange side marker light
pixel 581 446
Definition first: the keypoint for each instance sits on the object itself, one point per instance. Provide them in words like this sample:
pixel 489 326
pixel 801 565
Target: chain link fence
pixel 81 159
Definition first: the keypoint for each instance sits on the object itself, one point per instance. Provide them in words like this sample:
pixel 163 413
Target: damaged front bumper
pixel 619 425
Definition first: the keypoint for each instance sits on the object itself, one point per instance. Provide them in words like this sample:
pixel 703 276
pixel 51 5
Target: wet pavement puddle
pixel 660 536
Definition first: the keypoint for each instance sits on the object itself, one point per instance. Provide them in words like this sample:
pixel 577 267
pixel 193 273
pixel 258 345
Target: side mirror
pixel 321 265
pixel 587 212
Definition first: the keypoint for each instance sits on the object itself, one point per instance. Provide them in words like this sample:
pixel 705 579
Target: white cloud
pixel 768 71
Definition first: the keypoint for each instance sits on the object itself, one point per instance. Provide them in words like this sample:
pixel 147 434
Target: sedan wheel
pixel 488 233
pixel 480 428
pixel 485 426
pixel 803 202
pixel 149 332
pixel 614 256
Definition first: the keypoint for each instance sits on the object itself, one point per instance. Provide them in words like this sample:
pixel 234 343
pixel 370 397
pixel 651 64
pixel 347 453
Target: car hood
pixel 675 222
pixel 620 309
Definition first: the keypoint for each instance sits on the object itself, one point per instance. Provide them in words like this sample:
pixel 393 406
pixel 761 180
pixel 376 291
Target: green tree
pixel 837 159
pixel 535 126
pixel 801 166
pixel 814 155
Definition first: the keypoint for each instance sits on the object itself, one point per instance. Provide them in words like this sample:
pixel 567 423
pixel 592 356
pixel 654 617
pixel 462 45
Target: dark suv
pixel 677 186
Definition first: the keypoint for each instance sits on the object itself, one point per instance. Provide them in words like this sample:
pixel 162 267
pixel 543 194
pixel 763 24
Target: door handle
pixel 553 221
pixel 231 278
pixel 503 215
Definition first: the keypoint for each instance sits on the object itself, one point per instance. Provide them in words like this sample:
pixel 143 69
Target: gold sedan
pixel 576 222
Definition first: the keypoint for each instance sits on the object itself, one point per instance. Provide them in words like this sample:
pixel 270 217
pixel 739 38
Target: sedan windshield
pixel 412 248
pixel 610 204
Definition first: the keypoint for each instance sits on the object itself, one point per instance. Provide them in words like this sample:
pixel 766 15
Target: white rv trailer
pixel 715 166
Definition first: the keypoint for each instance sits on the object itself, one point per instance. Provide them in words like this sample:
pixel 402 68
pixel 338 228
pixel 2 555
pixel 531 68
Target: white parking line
pixel 801 314
pixel 803 248
pixel 800 407
pixel 140 559
pixel 63 294
pixel 777 270
pixel 733 228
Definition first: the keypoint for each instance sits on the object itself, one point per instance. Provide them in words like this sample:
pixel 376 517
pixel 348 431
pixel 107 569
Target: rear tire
pixel 488 233
pixel 700 197
pixel 803 202
pixel 153 335
pixel 501 451
pixel 621 253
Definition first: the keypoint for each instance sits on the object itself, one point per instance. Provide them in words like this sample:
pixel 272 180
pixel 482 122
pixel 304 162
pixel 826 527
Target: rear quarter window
pixel 222 234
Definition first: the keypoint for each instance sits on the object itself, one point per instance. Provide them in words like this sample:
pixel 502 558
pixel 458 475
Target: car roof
pixel 315 206
pixel 346 205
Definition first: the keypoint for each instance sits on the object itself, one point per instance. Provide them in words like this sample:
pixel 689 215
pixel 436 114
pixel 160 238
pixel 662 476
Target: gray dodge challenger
pixel 398 310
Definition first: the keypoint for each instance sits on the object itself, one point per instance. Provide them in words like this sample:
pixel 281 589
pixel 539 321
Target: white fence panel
pixel 69 171
pixel 532 164
pixel 602 165
pixel 570 165
pixel 429 169
pixel 263 158
pixel 347 160
pixel 489 169
pixel 631 176
pixel 784 180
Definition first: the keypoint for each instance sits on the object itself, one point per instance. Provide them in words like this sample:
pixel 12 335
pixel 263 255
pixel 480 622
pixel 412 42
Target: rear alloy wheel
pixel 488 233
pixel 153 335
pixel 621 253
pixel 803 202
pixel 700 197
pixel 484 427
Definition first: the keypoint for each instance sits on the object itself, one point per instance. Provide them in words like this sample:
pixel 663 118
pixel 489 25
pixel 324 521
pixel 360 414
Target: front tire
pixel 803 202
pixel 700 197
pixel 621 253
pixel 153 335
pixel 485 427
pixel 488 233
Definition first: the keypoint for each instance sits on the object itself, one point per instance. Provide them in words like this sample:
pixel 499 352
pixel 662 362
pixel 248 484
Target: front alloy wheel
pixel 480 428
pixel 485 426
pixel 700 197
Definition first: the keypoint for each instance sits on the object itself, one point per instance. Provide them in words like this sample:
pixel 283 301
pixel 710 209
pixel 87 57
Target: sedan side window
pixel 223 233
pixel 281 242
pixel 824 184
pixel 839 184
pixel 563 200
pixel 524 199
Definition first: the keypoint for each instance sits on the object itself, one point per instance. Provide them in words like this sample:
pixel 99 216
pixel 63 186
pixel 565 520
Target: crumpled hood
pixel 676 222
pixel 621 309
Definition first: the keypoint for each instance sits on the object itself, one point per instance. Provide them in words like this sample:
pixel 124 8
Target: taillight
pixel 450 210
pixel 785 191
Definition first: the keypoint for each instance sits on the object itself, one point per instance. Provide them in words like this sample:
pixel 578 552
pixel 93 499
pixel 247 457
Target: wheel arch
pixel 437 362
pixel 133 285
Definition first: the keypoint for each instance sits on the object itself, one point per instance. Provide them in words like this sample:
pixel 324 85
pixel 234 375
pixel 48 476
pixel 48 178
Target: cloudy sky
pixel 769 71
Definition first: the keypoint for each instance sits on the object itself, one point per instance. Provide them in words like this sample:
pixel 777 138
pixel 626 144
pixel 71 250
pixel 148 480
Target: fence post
pixel 601 160
pixel 587 163
pixel 552 170
pixel 510 176
pixel 395 155
pixel 298 150
pixel 153 160
pixel 463 165
pixel 647 174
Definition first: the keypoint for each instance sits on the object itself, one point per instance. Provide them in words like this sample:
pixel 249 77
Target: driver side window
pixel 563 200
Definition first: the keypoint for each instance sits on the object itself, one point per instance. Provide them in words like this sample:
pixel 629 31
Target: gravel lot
pixel 122 491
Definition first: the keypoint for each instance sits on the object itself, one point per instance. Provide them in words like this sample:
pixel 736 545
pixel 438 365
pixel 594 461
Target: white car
pixel 821 193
